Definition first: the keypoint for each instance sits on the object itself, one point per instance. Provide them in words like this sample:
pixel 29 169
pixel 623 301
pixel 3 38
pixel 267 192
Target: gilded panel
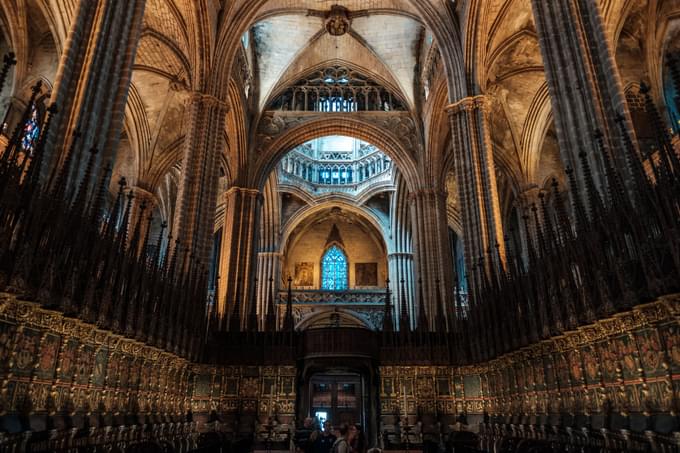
pixel 7 337
pixel 608 361
pixel 85 364
pixel 651 354
pixel 25 352
pixel 230 386
pixel 472 387
pixel 671 339
pixel 68 359
pixel 626 350
pixel 458 390
pixel 425 387
pixel 443 387
pixel 202 386
pixel 100 367
pixel 550 372
pixel 47 361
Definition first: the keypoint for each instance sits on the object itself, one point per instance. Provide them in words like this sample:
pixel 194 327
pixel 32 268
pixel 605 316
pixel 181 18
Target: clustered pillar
pixel 197 196
pixel 268 281
pixel 237 266
pixel 585 90
pixel 94 76
pixel 401 283
pixel 431 246
pixel 478 192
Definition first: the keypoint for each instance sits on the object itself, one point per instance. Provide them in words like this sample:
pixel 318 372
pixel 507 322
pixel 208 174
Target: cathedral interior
pixel 455 223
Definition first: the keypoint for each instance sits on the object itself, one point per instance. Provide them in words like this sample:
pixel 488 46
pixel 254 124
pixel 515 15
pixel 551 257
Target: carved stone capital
pixel 242 190
pixel 209 100
pixel 480 102
pixel 235 191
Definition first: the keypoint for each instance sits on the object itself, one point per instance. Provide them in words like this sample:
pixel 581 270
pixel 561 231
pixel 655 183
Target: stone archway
pixel 331 317
pixel 363 367
pixel 394 133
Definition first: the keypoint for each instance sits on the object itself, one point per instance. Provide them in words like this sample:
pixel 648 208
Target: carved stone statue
pixel 337 21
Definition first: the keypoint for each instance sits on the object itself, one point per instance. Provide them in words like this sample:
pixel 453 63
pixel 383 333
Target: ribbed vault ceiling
pixel 384 40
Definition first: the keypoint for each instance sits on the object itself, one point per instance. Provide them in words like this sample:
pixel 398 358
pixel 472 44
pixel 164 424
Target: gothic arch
pixel 439 136
pixel 346 318
pixel 310 211
pixel 171 157
pixel 537 122
pixel 335 124
pixel 136 127
pixel 360 199
pixel 236 144
pixel 156 50
pixel 505 48
pixel 616 22
pixel 30 31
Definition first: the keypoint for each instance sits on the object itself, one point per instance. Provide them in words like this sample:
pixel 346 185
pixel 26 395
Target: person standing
pixel 357 439
pixel 341 444
pixel 303 436
pixel 325 441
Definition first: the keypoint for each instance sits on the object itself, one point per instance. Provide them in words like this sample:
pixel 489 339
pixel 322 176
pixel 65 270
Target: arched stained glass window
pixel 334 270
pixel 31 133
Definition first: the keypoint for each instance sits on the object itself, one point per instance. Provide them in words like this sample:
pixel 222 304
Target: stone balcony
pixel 348 297
pixel 350 308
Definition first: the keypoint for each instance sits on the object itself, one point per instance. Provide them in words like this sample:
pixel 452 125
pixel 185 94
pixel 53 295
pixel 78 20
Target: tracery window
pixel 31 133
pixel 334 269
pixel 337 89
pixel 670 94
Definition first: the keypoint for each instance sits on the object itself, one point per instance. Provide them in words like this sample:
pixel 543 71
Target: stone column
pixel 239 239
pixel 197 193
pixel 400 267
pixel 477 190
pixel 433 258
pixel 268 267
pixel 94 75
pixel 585 88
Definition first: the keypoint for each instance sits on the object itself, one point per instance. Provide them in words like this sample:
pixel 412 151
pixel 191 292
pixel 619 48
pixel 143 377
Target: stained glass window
pixel 334 270
pixel 31 133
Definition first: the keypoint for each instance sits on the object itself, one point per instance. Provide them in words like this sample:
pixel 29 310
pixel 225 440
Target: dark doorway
pixel 337 397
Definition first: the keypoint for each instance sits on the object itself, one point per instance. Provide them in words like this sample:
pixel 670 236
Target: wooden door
pixel 337 398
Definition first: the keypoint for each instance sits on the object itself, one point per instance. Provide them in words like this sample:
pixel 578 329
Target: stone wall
pixel 359 245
